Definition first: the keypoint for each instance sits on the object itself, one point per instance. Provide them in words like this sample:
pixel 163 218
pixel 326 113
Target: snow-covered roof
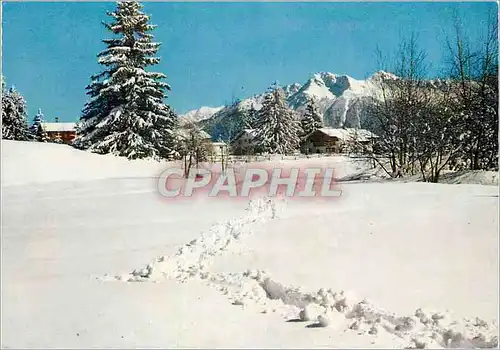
pixel 59 127
pixel 338 133
pixel 345 134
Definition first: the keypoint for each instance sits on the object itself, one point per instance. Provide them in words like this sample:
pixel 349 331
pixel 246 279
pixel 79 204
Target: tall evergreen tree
pixel 248 117
pixel 37 129
pixel 14 116
pixel 311 121
pixel 41 135
pixel 278 129
pixel 37 120
pixel 126 114
pixel 253 117
pixel 246 122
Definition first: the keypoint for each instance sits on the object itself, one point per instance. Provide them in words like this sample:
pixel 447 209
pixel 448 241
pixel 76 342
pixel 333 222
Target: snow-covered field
pixel 80 230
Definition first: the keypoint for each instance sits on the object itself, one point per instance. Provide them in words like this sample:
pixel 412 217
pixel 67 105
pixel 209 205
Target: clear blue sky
pixel 213 52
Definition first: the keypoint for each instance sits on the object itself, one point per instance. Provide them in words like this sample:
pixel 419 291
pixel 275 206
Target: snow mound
pixel 326 308
pixel 479 177
pixel 50 162
pixel 424 329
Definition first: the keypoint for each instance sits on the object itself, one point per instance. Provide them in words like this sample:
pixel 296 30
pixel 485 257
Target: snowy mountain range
pixel 200 114
pixel 339 98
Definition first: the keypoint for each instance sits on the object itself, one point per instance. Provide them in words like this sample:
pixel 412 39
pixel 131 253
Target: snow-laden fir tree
pixel 246 121
pixel 37 120
pixel 126 114
pixel 253 116
pixel 248 117
pixel 41 135
pixel 278 129
pixel 37 129
pixel 14 116
pixel 311 120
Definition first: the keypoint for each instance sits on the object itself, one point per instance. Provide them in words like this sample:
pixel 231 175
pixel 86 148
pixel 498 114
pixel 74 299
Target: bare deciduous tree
pixel 193 147
pixel 474 73
pixel 425 126
pixel 398 104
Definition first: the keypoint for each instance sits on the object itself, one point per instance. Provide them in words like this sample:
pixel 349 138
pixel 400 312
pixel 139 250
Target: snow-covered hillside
pixel 424 256
pixel 34 162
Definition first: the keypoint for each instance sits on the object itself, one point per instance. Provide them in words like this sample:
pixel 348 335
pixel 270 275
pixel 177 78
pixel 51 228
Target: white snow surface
pixel 388 264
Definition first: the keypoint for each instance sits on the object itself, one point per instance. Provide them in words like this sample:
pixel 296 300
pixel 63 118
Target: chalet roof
pixel 338 133
pixel 345 134
pixel 59 127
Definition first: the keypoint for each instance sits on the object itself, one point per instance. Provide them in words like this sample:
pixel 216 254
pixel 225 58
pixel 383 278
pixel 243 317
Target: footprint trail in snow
pixel 338 310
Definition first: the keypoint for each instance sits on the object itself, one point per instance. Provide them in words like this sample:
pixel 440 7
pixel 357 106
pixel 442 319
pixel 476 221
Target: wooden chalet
pixel 60 132
pixel 335 140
